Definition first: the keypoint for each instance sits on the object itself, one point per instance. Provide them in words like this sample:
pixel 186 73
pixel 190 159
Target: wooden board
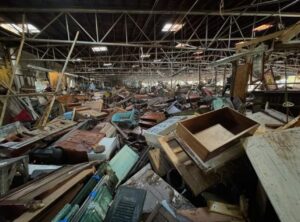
pixel 203 215
pixel 275 157
pixel 215 163
pixel 213 137
pixel 158 162
pixel 240 81
pixel 191 174
pixel 291 124
pixel 94 105
pixel 225 209
pixel 263 119
pixel 269 80
pixel 27 216
pixel 89 114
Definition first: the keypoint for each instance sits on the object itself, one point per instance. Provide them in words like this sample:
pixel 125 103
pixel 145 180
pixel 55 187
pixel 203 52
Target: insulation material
pixel 53 79
pixel 4 75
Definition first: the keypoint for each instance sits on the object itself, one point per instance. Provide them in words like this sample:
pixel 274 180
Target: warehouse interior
pixel 158 110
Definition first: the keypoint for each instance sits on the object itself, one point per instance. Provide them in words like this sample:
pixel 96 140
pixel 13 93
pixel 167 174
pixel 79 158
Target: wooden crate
pixel 213 132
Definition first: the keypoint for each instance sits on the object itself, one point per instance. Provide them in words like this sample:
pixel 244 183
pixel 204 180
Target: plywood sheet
pixel 214 137
pixel 275 157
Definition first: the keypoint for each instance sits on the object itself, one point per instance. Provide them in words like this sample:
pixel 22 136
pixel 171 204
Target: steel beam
pixel 153 12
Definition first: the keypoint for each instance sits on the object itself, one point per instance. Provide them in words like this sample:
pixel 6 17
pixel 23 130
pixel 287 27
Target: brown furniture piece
pixel 213 132
pixel 190 172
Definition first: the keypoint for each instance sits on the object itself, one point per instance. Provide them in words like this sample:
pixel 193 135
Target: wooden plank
pixel 284 36
pixel 203 215
pixel 27 216
pixel 225 209
pixel 275 157
pixel 94 105
pixel 293 123
pixel 240 81
pixel 258 40
pixel 263 119
pixel 290 33
pixel 158 162
pixel 190 173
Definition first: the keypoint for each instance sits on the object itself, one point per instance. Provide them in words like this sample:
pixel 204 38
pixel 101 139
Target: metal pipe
pixel 45 27
pixel 163 41
pixel 90 43
pixel 153 12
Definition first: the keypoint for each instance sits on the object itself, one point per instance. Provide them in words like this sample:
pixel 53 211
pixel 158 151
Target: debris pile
pixel 140 157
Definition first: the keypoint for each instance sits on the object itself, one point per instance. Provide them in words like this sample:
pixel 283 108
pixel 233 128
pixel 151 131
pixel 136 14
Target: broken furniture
pixel 291 124
pixel 108 145
pixel 276 99
pixel 275 159
pixel 123 161
pixel 94 105
pixel 78 144
pixel 161 129
pixel 109 130
pixel 264 120
pixel 34 198
pixel 150 119
pixel 126 118
pixel 9 168
pixel 96 204
pixel 127 205
pixel 190 172
pixel 157 190
pixel 84 113
pixel 216 162
pixel 158 161
pixel 24 140
pixel 172 109
pixel 213 132
pixel 240 77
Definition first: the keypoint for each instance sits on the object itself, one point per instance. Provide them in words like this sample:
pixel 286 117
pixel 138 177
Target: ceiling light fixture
pixel 99 49
pixel 143 56
pixel 18 28
pixel 198 52
pixel 262 27
pixel 169 27
pixel 184 46
pixel 107 64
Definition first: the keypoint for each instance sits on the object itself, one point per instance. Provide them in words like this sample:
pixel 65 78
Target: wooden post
pixel 14 69
pixel 44 119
